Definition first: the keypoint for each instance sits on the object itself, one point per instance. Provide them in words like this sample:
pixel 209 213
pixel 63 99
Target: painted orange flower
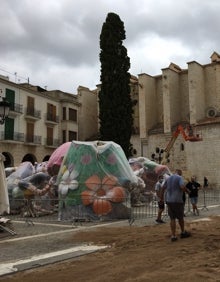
pixel 102 193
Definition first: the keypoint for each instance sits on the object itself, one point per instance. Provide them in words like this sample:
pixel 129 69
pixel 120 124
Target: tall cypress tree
pixel 115 104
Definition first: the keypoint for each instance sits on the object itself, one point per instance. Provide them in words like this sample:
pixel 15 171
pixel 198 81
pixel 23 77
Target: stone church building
pixel 180 97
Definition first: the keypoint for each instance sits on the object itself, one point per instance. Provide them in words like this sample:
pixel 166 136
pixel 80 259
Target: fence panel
pixel 47 210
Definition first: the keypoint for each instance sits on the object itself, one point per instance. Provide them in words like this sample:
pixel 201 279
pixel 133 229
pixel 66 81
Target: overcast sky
pixel 55 43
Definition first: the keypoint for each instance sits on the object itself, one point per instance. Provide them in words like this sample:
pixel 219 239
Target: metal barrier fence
pixel 49 210
pixel 206 199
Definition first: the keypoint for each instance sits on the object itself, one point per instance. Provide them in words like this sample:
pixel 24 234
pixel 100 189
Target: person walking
pixel 173 189
pixel 160 199
pixel 193 188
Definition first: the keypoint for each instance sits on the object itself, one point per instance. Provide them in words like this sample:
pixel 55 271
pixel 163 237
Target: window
pixel 51 112
pixel 30 106
pixel 9 129
pixel 64 113
pixel 72 135
pixel 72 115
pixel 10 97
pixel 30 132
pixel 49 136
pixel 64 136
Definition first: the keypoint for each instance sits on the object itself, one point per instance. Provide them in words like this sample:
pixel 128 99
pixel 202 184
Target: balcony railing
pixel 51 118
pixel 16 108
pixel 15 136
pixel 52 142
pixel 30 112
pixel 35 139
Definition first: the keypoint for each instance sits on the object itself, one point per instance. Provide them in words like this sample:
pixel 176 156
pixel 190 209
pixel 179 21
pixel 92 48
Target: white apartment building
pixel 39 120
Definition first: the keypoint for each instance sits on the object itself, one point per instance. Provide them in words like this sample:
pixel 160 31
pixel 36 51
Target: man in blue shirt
pixel 174 188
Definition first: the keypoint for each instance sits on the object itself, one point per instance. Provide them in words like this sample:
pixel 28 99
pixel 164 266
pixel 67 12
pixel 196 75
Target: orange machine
pixel 188 135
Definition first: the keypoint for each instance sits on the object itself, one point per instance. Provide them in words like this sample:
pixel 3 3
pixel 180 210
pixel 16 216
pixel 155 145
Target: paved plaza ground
pixel 138 252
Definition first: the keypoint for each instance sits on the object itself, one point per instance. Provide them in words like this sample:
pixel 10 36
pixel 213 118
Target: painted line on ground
pixel 47 224
pixel 39 260
pixel 80 228
pixel 34 236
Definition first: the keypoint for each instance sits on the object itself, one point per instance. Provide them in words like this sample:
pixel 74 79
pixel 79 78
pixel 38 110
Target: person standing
pixel 193 188
pixel 205 182
pixel 173 189
pixel 136 191
pixel 4 199
pixel 160 199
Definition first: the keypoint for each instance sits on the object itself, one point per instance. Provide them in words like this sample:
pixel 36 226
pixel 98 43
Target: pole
pixel 204 201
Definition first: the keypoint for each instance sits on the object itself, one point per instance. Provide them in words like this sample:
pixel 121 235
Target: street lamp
pixel 4 110
pixel 158 156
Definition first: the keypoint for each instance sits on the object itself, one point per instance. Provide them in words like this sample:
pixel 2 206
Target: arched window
pixel 182 147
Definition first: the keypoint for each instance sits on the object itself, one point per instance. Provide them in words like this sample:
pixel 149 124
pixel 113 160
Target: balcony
pixel 15 109
pixel 14 136
pixel 20 137
pixel 33 139
pixel 51 119
pixel 50 142
pixel 33 114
